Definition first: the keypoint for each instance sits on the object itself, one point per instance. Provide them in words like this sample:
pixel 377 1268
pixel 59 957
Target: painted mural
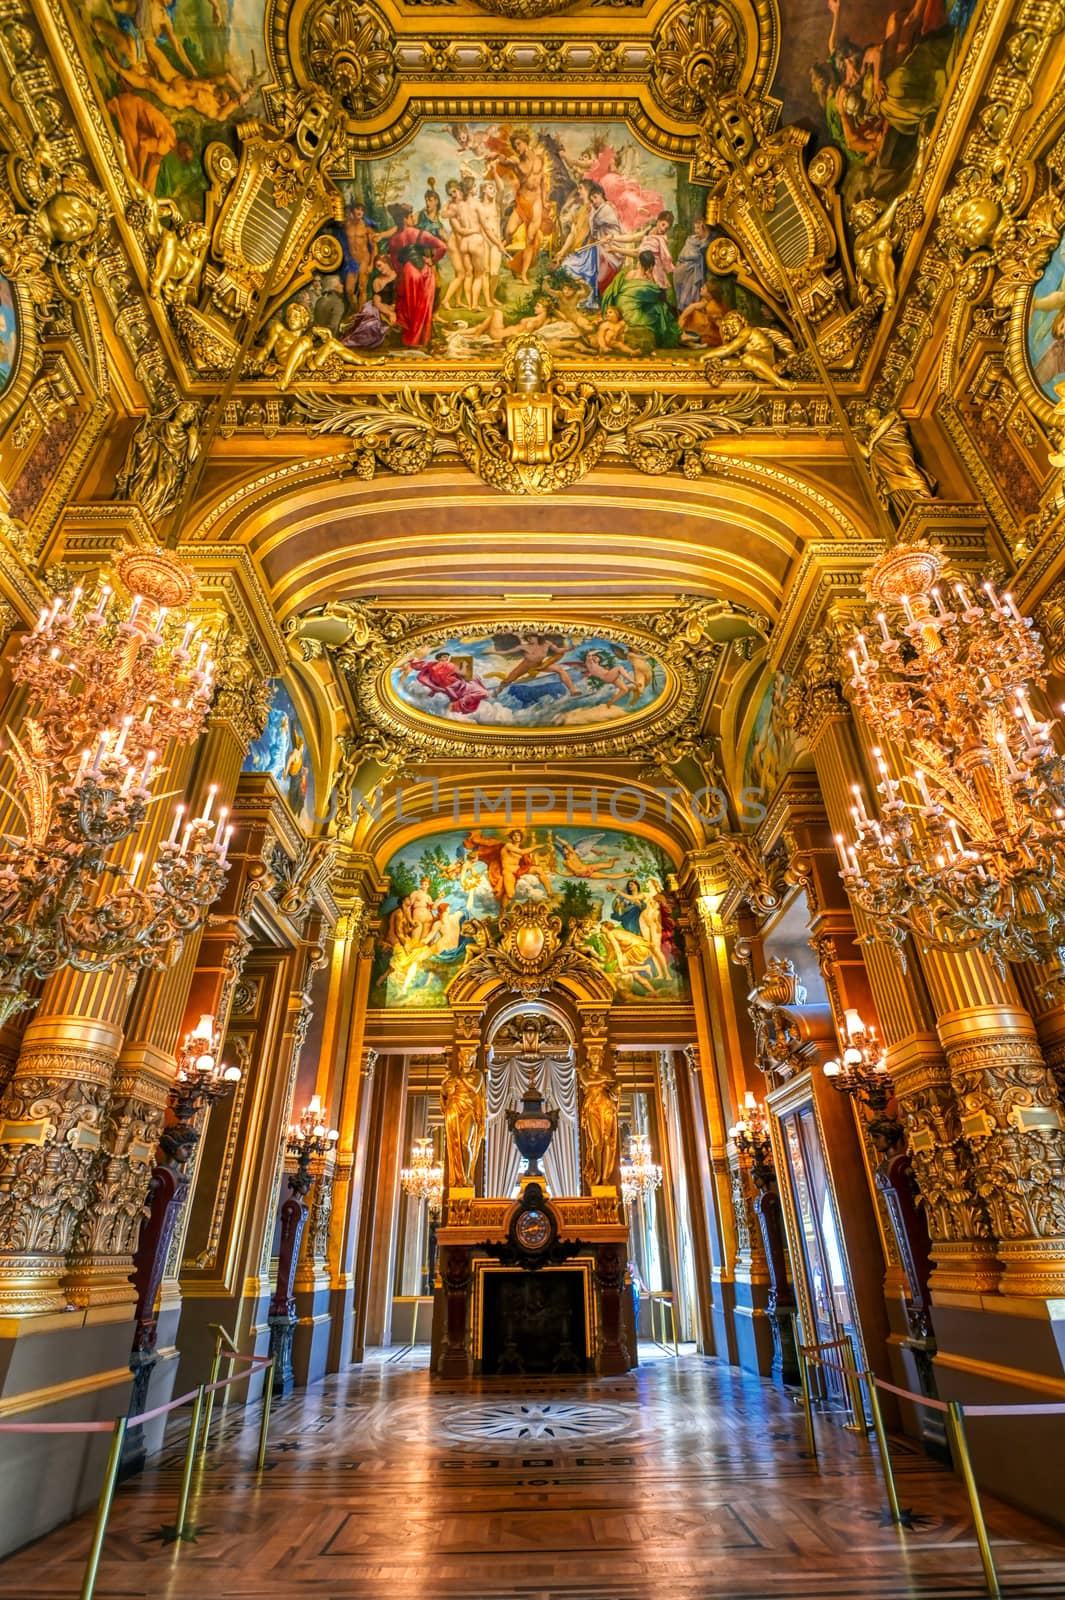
pixel 772 748
pixel 9 334
pixel 174 75
pixel 870 76
pixel 607 886
pixel 529 680
pixel 281 750
pixel 1046 327
pixel 476 232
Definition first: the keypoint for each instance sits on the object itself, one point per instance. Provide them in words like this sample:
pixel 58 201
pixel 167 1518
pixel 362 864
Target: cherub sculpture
pixel 294 344
pixel 756 349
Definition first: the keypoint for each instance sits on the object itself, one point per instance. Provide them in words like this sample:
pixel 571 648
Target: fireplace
pixel 533 1322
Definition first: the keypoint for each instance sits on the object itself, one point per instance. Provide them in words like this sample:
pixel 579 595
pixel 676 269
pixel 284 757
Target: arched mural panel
pixel 608 886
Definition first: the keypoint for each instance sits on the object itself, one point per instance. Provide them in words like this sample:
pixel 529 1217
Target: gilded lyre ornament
pixel 263 219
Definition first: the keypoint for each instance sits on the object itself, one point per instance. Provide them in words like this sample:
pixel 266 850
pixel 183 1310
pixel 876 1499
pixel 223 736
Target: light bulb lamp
pixel 201 1079
pixel 750 1134
pixel 861 1071
pixel 308 1139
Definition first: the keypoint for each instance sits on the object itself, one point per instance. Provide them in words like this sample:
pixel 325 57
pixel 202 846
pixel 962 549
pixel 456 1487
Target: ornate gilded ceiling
pixel 515 323
pixel 396 206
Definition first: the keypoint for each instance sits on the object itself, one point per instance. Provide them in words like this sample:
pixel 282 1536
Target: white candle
pixel 223 814
pixel 225 845
pixel 178 814
pixel 134 608
pixel 101 604
pixel 120 741
pixel 185 838
pixel 212 791
pixel 880 617
pixel 100 748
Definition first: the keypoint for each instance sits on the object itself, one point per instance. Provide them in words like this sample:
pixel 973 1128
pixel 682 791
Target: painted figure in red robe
pixel 414 254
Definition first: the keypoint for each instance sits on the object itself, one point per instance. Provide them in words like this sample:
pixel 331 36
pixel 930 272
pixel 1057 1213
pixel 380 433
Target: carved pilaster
pixel 51 1129
pixel 957 1217
pixel 105 1238
pixel 1010 1120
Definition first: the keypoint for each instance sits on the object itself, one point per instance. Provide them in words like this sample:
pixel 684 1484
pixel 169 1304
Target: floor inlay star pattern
pixel 681 1481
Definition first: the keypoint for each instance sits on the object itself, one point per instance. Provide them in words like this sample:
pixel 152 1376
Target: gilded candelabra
pixel 308 1138
pixel 640 1173
pixel 111 684
pixel 750 1134
pixel 202 1078
pixel 968 848
pixel 424 1178
pixel 861 1071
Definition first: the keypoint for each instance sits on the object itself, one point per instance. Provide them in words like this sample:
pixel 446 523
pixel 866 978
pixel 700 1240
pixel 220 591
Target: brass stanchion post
pixel 882 1446
pixel 103 1509
pixel 807 1404
pixel 963 1460
pixel 264 1425
pixel 190 1458
pixel 858 1423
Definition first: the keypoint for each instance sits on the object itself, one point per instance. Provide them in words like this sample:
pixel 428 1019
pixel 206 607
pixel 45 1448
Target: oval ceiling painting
pixel 574 678
pixel 9 333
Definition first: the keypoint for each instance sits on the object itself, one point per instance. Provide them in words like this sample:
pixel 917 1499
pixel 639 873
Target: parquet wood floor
pixel 683 1481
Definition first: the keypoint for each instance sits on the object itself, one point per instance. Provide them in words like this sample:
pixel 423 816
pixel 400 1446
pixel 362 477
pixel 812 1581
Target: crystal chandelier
pixel 309 1137
pixel 861 1071
pixel 969 848
pixel 640 1174
pixel 750 1134
pixel 202 1078
pixel 110 686
pixel 424 1178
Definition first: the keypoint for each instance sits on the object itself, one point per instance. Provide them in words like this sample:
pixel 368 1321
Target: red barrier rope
pixel 1047 1410
pixel 257 1363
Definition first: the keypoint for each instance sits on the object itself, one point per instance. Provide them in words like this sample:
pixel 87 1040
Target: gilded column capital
pixel 52 1126
pixel 1010 1119
pixel 816 695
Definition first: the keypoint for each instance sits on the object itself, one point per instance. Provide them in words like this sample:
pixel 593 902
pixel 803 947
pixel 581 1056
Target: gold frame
pixel 585 1264
pixel 27 362
pixel 378 703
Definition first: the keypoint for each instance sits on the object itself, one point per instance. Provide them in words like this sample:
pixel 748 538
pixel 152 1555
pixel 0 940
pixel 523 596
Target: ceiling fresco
pixel 474 233
pixel 870 76
pixel 443 228
pixel 174 77
pixel 493 688
pixel 528 679
pixel 608 887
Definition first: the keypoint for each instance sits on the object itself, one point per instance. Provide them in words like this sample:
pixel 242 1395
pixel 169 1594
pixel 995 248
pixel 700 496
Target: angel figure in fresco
pixel 525 163
pixel 539 654
pixel 599 666
pixel 635 205
pixel 440 675
pixel 585 860
pixel 507 861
